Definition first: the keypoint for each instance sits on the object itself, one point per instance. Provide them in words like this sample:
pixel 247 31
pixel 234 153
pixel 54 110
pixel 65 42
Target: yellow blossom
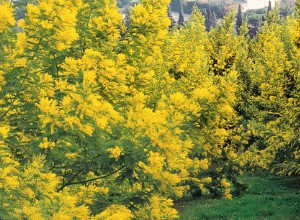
pixel 46 144
pixel 224 183
pixel 71 155
pixel 4 130
pixel 6 17
pixel 114 212
pixel 115 152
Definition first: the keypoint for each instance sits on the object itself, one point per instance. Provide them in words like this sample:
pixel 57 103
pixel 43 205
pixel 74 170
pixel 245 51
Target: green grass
pixel 268 197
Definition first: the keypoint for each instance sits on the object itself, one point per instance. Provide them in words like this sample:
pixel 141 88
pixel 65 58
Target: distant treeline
pixel 188 6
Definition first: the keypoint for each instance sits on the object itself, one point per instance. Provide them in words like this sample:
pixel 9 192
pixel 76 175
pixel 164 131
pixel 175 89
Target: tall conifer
pixel 270 6
pixel 239 19
pixel 181 17
pixel 210 19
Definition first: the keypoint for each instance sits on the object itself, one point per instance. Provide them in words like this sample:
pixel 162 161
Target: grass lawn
pixel 268 197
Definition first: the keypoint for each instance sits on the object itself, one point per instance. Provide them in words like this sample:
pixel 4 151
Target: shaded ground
pixel 268 197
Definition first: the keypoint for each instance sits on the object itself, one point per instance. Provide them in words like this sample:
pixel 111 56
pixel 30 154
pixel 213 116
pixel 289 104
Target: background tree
pixel 171 16
pixel 270 6
pixel 239 19
pixel 210 19
pixel 181 17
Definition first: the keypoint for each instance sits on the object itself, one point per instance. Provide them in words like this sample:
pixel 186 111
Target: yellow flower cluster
pixel 114 212
pixel 6 16
pixel 115 152
pixel 47 144
pixel 158 208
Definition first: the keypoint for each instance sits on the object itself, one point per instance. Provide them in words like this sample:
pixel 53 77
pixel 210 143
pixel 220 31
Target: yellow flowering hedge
pixel 103 121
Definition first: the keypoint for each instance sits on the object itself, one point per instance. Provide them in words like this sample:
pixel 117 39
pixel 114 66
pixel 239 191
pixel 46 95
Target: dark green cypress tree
pixel 273 16
pixel 270 6
pixel 181 18
pixel 209 19
pixel 239 19
pixel 170 16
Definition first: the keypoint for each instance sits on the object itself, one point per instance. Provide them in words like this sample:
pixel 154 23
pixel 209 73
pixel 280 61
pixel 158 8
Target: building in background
pixel 257 4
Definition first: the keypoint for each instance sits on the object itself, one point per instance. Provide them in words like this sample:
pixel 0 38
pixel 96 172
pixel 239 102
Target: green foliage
pixel 210 19
pixel 239 19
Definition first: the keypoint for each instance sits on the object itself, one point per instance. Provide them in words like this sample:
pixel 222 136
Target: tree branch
pixel 88 180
